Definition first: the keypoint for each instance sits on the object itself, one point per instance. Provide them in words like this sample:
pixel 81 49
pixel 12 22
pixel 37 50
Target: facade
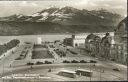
pixel 78 40
pixel 121 41
pixel 68 41
pixel 92 44
pixel 105 46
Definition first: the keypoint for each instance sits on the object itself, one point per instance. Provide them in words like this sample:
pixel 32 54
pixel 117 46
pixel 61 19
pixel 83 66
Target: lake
pixel 46 37
pixel 33 38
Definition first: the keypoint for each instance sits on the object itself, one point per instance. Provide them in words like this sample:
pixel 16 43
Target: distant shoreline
pixel 55 33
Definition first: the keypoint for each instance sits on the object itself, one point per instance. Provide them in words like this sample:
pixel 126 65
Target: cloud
pixel 28 7
pixel 119 7
pixel 93 4
pixel 81 2
pixel 106 5
pixel 26 3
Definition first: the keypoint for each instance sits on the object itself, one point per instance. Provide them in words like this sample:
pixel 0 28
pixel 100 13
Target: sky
pixel 8 8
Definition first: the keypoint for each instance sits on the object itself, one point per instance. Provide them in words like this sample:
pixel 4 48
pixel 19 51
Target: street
pixel 106 66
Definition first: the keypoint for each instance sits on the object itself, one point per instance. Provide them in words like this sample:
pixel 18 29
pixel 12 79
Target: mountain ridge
pixel 59 20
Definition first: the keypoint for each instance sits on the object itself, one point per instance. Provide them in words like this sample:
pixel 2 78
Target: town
pixel 79 57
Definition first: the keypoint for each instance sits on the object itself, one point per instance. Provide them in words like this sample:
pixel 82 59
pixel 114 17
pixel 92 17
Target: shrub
pixel 65 61
pixel 30 63
pixel 92 61
pixel 48 62
pixel 112 59
pixel 74 61
pixel 73 52
pixel 19 58
pixel 83 61
pixel 38 63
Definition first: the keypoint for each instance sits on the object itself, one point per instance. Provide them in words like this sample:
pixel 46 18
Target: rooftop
pixel 85 70
pixel 68 71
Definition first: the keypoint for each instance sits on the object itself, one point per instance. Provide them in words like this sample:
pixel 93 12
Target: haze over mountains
pixel 59 20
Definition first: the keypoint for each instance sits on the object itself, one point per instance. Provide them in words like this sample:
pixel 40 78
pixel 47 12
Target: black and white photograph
pixel 63 40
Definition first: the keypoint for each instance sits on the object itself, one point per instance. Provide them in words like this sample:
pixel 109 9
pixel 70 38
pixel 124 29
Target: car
pixel 93 61
pixel 83 61
pixel 116 69
pixel 74 61
pixel 112 59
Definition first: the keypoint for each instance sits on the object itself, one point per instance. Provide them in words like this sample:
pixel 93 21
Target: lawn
pixel 41 54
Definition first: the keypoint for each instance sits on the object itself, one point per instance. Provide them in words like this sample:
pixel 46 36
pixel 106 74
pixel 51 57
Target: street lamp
pixel 3 69
pixel 100 74
pixel 90 71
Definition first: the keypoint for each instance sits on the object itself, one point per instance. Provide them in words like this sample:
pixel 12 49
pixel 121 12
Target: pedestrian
pixel 31 67
pixel 10 65
pixel 49 70
pixel 103 71
pixel 94 65
pixel 29 71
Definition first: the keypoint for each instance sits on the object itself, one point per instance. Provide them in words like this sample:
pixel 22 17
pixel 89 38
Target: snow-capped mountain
pixel 59 20
pixel 54 14
pixel 67 15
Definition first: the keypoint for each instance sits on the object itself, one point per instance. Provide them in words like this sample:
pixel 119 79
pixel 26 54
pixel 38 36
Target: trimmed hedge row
pixel 39 63
pixel 82 61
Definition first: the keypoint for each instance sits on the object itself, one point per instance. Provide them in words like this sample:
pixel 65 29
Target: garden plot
pixel 41 54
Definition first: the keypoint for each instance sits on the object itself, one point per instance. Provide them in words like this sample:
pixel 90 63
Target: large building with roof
pixel 92 43
pixel 121 41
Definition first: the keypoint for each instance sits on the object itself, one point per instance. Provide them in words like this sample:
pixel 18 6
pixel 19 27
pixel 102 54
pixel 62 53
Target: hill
pixel 59 20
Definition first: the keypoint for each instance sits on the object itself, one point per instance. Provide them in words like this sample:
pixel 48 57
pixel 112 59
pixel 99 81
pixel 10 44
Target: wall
pixel 78 42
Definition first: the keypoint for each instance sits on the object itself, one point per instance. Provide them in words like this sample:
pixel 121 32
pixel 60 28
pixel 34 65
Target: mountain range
pixel 59 20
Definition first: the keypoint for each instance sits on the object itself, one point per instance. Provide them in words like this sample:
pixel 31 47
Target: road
pixel 56 67
pixel 42 68
pixel 107 66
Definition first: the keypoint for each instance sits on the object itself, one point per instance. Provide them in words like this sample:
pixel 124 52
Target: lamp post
pixel 90 63
pixel 100 74
pixel 90 71
pixel 3 69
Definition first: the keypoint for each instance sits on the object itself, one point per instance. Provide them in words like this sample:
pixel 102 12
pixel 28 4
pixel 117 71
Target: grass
pixel 42 54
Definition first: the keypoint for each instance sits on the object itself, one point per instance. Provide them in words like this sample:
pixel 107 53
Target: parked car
pixel 48 62
pixel 74 61
pixel 30 63
pixel 65 61
pixel 112 59
pixel 116 69
pixel 38 63
pixel 83 61
pixel 93 61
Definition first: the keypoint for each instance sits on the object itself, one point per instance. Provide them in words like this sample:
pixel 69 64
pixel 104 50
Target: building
pixel 68 41
pixel 84 72
pixel 105 46
pixel 75 40
pixel 78 40
pixel 121 41
pixel 92 44
pixel 67 73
